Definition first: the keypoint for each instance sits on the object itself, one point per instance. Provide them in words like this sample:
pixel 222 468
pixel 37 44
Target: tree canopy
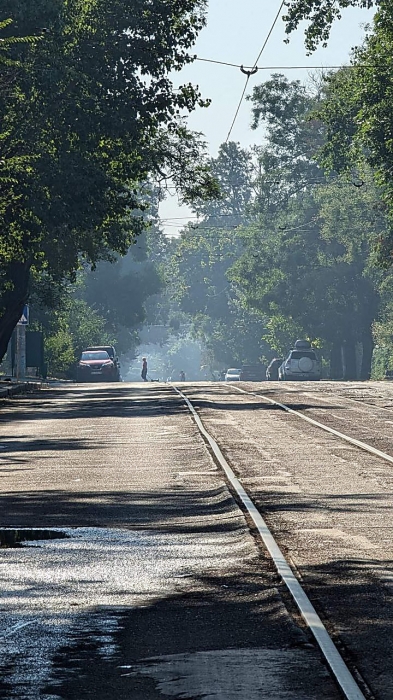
pixel 320 15
pixel 358 119
pixel 89 114
pixel 299 259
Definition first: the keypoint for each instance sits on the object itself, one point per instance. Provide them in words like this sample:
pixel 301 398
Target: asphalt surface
pixel 328 503
pixel 149 583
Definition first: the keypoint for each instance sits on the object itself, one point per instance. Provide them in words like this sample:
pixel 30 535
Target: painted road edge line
pixel 333 657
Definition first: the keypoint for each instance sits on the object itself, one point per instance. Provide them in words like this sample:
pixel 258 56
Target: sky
pixel 235 33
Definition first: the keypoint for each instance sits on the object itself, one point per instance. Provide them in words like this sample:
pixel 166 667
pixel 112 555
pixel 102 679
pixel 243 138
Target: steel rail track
pixel 359 404
pixel 336 663
pixel 358 443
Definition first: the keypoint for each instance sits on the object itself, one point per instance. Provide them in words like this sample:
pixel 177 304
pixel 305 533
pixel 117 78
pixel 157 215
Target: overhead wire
pixel 248 71
pixel 197 223
pixel 269 33
pixel 253 69
pixel 238 65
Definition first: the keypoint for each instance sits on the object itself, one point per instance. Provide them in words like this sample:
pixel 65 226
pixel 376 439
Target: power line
pixel 253 69
pixel 237 65
pixel 189 218
pixel 237 110
pixel 269 33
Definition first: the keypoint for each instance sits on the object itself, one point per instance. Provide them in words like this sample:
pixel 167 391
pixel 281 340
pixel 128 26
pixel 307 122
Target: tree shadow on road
pixel 237 611
pixel 127 402
pixel 229 613
pixel 77 403
pixel 198 510
pixel 272 502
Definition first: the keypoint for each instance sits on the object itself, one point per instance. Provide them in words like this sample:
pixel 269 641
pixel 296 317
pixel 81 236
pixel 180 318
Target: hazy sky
pixel 235 32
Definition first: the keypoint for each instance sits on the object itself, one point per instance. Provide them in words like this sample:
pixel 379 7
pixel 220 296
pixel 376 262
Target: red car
pixel 96 366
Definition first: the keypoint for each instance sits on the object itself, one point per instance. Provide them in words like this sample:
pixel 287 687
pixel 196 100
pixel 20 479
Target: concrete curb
pixel 21 388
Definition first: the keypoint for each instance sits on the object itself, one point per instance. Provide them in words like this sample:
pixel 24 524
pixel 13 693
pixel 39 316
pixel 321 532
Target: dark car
pixel 272 369
pixel 253 373
pixel 96 366
pixel 112 354
pixel 301 364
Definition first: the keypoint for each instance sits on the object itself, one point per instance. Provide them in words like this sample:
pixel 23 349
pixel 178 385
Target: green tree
pixel 74 325
pixel 233 170
pixel 199 267
pixel 92 112
pixel 315 273
pixel 306 263
pixel 118 292
pixel 357 110
pixel 285 163
pixel 320 14
pixel 359 122
pixel 383 331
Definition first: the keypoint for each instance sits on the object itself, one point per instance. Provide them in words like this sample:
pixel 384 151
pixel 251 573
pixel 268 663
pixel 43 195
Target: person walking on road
pixel 182 376
pixel 144 369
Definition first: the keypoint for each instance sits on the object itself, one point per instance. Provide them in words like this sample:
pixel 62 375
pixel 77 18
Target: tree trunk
pixel 336 365
pixel 12 301
pixel 368 347
pixel 350 373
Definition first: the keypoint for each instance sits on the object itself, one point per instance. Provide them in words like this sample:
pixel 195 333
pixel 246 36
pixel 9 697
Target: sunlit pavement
pixel 329 503
pixel 156 588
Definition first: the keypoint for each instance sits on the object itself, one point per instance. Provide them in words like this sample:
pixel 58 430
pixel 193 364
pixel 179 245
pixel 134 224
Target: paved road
pixel 151 585
pixel 328 503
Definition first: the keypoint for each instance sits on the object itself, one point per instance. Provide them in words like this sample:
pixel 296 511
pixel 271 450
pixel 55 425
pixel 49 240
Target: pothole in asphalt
pixel 14 537
pixel 226 674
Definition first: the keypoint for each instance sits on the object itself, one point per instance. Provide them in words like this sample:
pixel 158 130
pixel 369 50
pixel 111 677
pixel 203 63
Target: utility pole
pixel 20 352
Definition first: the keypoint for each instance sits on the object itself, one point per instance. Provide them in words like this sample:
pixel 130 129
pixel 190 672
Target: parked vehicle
pixel 253 373
pixel 301 364
pixel 232 375
pixel 96 366
pixel 272 369
pixel 112 354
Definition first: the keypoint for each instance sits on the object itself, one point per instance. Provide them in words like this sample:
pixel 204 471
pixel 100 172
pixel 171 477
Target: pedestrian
pixel 182 376
pixel 144 369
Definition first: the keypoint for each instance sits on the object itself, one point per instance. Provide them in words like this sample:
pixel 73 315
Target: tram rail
pixel 347 438
pixel 342 674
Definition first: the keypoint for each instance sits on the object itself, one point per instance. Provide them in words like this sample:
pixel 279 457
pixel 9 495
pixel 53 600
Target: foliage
pixel 118 292
pixel 383 331
pixel 233 172
pixel 321 15
pixel 67 331
pixel 199 267
pixel 285 162
pixel 181 354
pixel 91 113
pixel 280 332
pixel 358 117
pixel 106 305
pixel 103 306
pixel 59 353
pixel 312 277
pixel 300 264
pixel 307 261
